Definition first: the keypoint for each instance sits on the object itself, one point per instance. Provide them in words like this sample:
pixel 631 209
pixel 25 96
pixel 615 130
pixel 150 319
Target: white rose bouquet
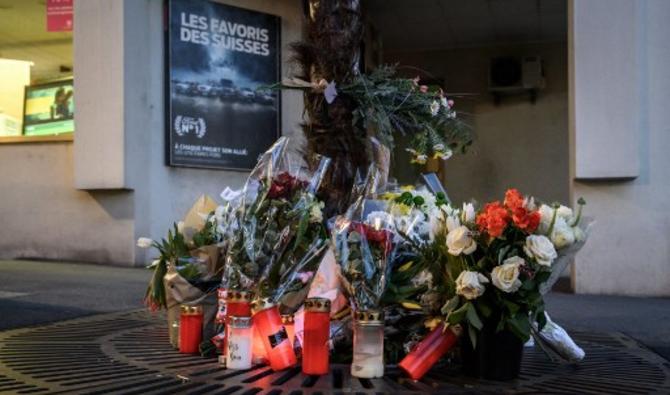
pixel 491 268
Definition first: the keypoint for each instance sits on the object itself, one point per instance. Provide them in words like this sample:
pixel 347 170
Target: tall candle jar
pixel 316 333
pixel 239 337
pixel 273 334
pixel 289 323
pixel 237 304
pixel 429 350
pixel 368 359
pixel 258 348
pixel 190 329
pixel 220 317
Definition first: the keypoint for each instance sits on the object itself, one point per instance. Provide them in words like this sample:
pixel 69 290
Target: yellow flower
pixel 407 188
pixel 411 306
pixel 402 209
pixel 389 196
pixel 431 323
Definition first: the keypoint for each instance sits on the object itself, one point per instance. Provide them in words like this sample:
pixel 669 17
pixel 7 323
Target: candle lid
pixel 317 305
pixel 191 310
pixel 287 319
pixel 370 317
pixel 260 304
pixel 240 322
pixel 239 296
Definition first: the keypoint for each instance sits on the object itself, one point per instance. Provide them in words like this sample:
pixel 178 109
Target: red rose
pixel 284 185
pixel 513 199
pixel 382 236
pixel 493 219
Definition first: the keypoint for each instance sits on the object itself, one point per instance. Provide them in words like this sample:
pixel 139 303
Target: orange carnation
pixel 493 219
pixel 526 220
pixel 513 199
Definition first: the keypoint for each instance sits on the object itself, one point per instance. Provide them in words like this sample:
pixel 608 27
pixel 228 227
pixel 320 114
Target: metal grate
pixel 129 353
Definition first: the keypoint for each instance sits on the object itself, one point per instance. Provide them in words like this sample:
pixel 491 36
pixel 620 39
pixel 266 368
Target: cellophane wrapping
pixel 280 238
pixel 364 249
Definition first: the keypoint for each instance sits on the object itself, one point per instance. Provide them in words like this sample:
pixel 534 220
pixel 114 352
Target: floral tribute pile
pixel 405 276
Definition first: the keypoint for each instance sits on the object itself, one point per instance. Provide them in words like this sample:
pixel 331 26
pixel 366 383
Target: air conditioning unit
pixel 509 75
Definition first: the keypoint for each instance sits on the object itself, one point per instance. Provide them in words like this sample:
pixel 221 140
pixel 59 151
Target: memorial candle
pixel 316 333
pixel 239 343
pixel 368 359
pixel 273 334
pixel 190 329
pixel 289 323
pixel 238 304
pixel 425 354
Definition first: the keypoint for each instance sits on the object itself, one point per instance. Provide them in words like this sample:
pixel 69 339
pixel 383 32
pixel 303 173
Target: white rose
pixel 506 276
pixel 546 214
pixel 315 214
pixel 459 241
pixel 470 284
pixel 562 234
pixel 468 213
pixel 453 222
pixel 565 213
pixel 541 249
pixel 144 242
pixel 579 234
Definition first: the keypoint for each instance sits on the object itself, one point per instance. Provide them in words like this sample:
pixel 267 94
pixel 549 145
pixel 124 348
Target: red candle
pixel 257 347
pixel 238 304
pixel 425 354
pixel 289 323
pixel 273 334
pixel 221 312
pixel 316 334
pixel 190 329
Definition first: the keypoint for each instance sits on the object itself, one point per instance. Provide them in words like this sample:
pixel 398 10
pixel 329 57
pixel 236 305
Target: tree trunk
pixel 331 51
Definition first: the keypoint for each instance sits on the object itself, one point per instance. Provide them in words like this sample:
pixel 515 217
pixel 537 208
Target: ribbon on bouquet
pixel 556 343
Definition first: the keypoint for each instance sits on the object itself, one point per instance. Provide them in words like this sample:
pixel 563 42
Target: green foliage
pixel 207 235
pixel 385 105
pixel 170 249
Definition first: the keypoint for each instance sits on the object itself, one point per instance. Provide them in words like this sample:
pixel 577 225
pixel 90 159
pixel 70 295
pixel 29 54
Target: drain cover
pixel 129 353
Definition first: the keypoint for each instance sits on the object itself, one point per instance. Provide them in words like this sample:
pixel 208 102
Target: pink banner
pixel 59 15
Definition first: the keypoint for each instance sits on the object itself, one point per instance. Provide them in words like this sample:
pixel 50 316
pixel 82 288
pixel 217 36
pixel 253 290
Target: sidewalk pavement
pixel 34 292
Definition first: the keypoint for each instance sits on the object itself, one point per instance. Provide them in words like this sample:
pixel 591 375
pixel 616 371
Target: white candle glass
pixel 239 343
pixel 368 360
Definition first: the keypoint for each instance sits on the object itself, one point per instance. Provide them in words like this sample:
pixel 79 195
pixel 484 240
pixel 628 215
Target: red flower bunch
pixel 523 218
pixel 284 185
pixel 372 235
pixel 495 217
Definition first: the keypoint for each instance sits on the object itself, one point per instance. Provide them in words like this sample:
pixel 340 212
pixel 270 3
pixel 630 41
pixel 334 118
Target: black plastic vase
pixel 497 355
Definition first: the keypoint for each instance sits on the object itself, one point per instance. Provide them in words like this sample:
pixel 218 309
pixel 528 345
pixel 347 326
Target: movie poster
pixel 218 55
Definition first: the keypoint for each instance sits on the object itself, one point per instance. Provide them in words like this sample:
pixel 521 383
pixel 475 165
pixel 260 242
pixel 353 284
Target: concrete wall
pixel 164 194
pixel 629 249
pixel 117 162
pixel 519 144
pixel 43 216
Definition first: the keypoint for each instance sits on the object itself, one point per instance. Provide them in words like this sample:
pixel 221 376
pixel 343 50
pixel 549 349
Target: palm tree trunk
pixel 331 51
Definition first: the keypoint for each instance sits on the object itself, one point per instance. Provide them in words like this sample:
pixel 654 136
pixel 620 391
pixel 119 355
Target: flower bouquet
pixel 364 245
pixel 488 269
pixel 279 244
pixel 186 272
